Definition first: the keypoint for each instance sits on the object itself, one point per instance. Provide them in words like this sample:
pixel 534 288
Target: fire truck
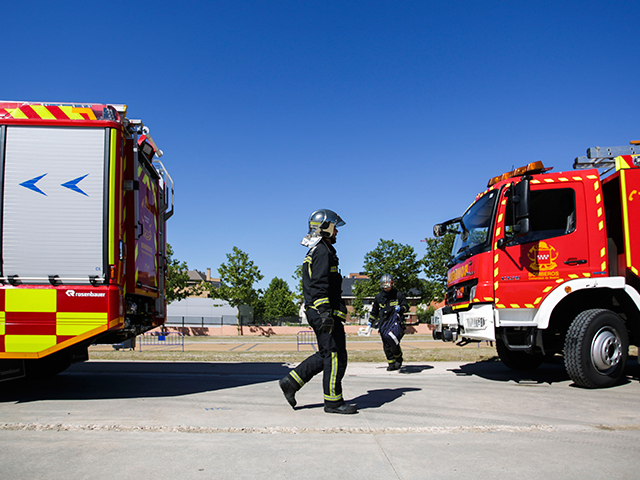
pixel 84 201
pixel 547 263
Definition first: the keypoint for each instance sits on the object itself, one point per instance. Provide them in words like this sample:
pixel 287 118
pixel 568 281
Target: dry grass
pixel 471 354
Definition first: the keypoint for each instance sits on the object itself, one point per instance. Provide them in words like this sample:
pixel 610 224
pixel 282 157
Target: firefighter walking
pixel 387 314
pixel 325 311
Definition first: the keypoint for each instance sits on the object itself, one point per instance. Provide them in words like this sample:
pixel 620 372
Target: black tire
pixel 596 349
pixel 518 360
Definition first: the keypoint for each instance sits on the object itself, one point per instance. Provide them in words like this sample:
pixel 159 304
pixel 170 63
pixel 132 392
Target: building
pixel 196 277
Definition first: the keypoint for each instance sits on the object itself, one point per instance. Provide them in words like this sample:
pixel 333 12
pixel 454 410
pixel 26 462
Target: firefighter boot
pixel 394 366
pixel 343 408
pixel 398 362
pixel 289 389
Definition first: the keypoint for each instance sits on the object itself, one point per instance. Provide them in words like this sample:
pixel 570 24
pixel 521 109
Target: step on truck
pixel 84 202
pixel 548 263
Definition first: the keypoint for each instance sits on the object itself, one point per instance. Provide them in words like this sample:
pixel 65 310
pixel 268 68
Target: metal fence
pixel 188 321
pixel 306 337
pixel 274 322
pixel 161 339
pixel 191 321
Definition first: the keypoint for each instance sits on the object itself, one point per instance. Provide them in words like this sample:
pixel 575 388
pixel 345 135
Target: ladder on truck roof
pixel 604 157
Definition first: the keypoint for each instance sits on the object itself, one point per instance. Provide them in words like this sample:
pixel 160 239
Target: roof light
pixel 531 169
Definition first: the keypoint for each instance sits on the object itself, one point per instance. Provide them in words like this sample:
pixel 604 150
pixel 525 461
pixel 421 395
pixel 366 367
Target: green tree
pixel 424 314
pixel 279 301
pixel 435 265
pixel 237 278
pixel 396 259
pixel 297 276
pixel 178 278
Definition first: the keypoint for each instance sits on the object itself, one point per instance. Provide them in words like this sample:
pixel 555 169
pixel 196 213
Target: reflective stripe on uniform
pixel 320 301
pixel 297 378
pixel 339 314
pixel 334 376
pixel 309 261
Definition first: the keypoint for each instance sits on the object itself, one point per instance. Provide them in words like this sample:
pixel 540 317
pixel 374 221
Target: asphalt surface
pixel 183 420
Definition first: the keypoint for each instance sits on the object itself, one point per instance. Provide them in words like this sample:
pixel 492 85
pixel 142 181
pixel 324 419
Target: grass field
pixel 365 352
pixel 369 351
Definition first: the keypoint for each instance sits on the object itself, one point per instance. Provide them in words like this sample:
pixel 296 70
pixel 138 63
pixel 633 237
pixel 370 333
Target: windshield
pixel 474 227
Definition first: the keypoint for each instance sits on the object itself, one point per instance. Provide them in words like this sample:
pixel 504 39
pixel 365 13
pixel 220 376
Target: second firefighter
pixel 387 315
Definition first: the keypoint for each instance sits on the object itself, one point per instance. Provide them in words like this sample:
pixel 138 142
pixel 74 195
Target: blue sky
pixel 392 113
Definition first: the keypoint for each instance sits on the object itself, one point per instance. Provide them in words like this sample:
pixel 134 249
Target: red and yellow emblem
pixel 543 261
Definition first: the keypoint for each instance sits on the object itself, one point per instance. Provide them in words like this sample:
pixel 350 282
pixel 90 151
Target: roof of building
pixel 196 276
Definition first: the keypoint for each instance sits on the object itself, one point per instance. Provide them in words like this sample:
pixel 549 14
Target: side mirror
pixel 521 202
pixel 519 194
pixel 441 229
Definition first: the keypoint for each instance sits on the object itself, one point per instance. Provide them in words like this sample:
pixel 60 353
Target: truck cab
pixel 544 263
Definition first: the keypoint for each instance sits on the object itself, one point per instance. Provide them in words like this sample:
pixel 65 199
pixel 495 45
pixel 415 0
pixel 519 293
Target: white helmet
pixel 386 281
pixel 323 222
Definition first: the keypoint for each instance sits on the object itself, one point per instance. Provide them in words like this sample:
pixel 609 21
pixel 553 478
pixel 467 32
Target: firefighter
pixel 387 314
pixel 325 310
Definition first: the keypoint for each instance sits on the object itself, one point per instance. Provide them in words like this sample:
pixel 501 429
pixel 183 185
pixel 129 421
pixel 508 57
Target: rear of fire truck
pixel 547 263
pixel 84 206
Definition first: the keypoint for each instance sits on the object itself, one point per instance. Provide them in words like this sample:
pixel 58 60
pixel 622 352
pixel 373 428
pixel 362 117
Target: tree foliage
pixel 435 265
pixel 396 259
pixel 178 279
pixel 237 278
pixel 278 300
pixel 297 276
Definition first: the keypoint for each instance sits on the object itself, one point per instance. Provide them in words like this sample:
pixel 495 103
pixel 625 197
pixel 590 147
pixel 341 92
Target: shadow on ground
pixel 548 373
pixel 371 399
pixel 409 369
pixel 108 380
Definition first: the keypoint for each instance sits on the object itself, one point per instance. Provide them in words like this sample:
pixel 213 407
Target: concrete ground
pixel 186 420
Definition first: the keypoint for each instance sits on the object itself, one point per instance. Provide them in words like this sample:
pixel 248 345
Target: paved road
pixel 166 420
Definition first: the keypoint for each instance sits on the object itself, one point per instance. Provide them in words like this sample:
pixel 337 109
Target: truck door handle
pixel 574 261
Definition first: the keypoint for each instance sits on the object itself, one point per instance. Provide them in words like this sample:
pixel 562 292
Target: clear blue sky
pixel 392 113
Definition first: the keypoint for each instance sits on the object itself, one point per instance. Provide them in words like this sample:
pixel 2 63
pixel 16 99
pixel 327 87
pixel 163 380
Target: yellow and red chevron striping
pixel 37 321
pixel 47 112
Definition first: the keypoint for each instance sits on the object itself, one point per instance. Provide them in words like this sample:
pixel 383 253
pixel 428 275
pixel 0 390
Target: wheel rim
pixel 606 350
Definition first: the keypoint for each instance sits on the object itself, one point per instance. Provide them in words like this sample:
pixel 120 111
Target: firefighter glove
pixel 326 322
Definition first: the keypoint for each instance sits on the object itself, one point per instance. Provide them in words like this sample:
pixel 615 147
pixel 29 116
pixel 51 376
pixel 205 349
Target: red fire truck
pixel 84 203
pixel 547 263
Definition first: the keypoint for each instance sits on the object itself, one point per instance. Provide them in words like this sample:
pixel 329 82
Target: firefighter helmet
pixel 386 281
pixel 324 222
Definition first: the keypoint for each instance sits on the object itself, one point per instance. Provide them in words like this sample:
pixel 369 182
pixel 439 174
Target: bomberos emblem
pixel 543 257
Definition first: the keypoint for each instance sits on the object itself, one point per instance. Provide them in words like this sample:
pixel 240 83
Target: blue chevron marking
pixel 31 184
pixel 73 185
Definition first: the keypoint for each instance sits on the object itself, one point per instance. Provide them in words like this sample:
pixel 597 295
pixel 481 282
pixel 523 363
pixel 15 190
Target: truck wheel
pixel 596 349
pixel 518 360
